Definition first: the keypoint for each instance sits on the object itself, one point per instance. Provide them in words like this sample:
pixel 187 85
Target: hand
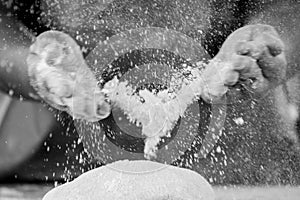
pixel 253 56
pixel 61 77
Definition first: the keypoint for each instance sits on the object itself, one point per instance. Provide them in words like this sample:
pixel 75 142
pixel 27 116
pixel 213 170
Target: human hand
pixel 61 77
pixel 253 56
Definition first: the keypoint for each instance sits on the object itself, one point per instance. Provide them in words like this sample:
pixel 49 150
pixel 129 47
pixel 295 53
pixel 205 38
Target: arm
pixel 263 58
pixel 14 48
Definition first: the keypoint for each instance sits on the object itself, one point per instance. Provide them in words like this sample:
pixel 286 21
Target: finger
pixel 249 72
pixel 243 48
pixel 103 110
pixel 263 42
pixel 251 48
pixel 273 68
pixel 268 35
pixel 231 78
pixel 243 64
pixel 247 68
pixel 101 106
pixel 59 50
pixel 274 44
pixel 251 76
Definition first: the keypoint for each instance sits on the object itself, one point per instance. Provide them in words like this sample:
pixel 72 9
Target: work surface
pixel 36 192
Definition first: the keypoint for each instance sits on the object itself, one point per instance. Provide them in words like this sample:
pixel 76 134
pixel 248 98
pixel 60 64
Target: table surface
pixel 36 192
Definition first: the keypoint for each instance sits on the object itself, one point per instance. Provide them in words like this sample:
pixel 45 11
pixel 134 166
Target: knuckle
pixel 242 48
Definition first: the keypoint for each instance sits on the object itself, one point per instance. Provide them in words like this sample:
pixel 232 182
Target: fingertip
pixel 103 110
pixel 275 50
pixel 274 44
pixel 231 78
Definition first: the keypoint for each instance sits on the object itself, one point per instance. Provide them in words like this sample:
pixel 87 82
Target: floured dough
pixel 135 180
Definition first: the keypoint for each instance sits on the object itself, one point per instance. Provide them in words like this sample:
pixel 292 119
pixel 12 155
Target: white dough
pixel 135 180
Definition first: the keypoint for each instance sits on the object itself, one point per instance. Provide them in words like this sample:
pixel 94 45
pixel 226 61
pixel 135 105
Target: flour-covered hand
pixel 252 55
pixel 61 77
